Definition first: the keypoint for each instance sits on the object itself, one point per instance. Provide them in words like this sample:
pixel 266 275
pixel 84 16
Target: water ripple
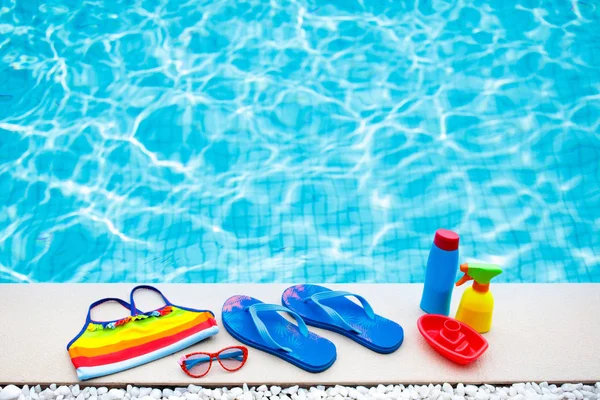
pixel 303 140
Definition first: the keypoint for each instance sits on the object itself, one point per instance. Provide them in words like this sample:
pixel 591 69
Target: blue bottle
pixel 442 266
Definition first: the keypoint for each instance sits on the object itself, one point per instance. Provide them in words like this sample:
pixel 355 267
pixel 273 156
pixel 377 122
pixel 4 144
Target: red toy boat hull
pixel 454 340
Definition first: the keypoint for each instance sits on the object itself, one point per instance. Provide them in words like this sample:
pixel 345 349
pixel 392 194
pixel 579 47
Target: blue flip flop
pixel 331 310
pixel 259 325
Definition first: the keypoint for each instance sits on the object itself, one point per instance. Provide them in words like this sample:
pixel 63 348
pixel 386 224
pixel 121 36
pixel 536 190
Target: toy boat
pixel 454 340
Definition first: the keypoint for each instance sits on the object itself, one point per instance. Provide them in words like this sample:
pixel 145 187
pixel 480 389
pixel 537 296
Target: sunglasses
pixel 197 365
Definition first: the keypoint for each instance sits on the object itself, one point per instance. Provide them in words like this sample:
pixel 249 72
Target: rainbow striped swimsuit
pixel 103 348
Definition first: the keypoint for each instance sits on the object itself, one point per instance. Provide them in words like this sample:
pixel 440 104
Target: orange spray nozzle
pixel 481 273
pixel 465 278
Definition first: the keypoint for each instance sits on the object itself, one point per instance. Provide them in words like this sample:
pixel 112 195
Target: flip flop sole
pixel 357 339
pixel 292 361
pixel 313 353
pixel 380 334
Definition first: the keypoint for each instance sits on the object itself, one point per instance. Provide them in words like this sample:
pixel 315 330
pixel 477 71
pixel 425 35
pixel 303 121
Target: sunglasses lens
pixel 231 359
pixel 197 364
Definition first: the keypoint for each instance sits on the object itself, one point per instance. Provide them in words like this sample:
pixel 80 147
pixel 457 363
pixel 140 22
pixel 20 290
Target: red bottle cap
pixel 446 240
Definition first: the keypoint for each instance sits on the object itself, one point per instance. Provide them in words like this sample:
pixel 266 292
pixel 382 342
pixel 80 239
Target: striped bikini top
pixel 103 348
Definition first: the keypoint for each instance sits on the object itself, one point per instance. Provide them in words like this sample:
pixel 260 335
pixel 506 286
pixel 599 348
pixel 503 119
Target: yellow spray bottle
pixel 477 303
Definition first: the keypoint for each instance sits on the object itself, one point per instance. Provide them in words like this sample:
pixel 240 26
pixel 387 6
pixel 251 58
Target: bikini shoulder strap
pixel 134 310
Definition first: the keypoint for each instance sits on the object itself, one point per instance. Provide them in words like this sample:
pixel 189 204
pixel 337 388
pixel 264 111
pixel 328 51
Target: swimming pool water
pixel 296 140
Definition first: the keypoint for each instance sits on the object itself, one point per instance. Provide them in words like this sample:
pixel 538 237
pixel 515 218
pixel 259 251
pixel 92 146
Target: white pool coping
pixel 541 332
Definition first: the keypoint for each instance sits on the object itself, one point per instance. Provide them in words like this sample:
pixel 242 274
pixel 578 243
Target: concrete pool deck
pixel 541 332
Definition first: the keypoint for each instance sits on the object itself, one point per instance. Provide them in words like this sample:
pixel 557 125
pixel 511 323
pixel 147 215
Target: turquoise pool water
pixel 296 140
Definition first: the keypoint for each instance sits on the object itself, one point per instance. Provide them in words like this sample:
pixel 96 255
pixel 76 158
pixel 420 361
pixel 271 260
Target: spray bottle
pixel 477 303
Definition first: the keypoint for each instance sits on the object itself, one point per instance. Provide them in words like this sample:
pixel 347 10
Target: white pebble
pixel 447 388
pixel 471 390
pixel 460 389
pixel 156 393
pixel 275 390
pixel 102 390
pixel 578 394
pixel 10 392
pixel 60 397
pixel 147 398
pixel 49 394
pixel 80 396
pixel 262 388
pixel 236 391
pixel 353 393
pixel 481 395
pixel 423 391
pixel 105 396
pixel 191 396
pixel 117 394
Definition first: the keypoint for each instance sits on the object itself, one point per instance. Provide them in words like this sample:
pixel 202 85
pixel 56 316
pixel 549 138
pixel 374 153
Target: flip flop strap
pixel 262 329
pixel 334 315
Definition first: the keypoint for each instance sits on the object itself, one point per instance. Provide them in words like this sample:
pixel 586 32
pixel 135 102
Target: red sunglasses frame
pixel 213 356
